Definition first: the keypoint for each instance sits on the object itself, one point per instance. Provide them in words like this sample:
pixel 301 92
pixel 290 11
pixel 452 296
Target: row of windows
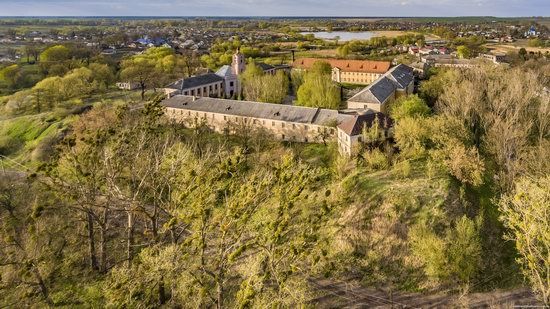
pixel 201 91
pixel 362 80
pixel 254 121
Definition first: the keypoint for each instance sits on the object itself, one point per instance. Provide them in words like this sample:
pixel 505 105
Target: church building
pixel 224 83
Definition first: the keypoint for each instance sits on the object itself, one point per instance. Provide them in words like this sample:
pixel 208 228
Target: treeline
pixel 69 72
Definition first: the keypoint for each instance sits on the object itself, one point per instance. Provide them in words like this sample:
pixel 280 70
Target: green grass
pixel 21 136
pixel 377 209
pixel 28 139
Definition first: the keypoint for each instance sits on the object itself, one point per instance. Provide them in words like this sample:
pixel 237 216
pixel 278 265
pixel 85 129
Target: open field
pixel 514 47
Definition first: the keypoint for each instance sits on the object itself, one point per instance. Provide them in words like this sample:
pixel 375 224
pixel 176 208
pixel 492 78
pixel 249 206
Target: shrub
pixel 376 160
pixel 402 169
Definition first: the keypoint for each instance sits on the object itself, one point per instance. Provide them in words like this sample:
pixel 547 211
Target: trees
pixel 318 89
pixel 55 53
pixel 33 241
pixel 11 75
pixel 140 71
pixel 497 112
pixel 526 213
pixel 522 53
pixel 102 74
pixel 33 51
pixel 154 68
pixel 411 106
pixel 261 87
pixel 456 256
pixel 464 52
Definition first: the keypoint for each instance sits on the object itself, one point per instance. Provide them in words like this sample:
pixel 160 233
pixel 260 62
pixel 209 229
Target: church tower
pixel 239 64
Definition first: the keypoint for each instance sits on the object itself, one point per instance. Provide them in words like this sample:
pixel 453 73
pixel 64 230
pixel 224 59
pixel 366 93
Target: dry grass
pixel 514 47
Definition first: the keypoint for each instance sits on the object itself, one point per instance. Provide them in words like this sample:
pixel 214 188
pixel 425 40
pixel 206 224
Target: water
pixel 344 35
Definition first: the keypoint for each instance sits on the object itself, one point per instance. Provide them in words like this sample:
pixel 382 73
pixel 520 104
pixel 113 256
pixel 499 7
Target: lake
pixel 344 35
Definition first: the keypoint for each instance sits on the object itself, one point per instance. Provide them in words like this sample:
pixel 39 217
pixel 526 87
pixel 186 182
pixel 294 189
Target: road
pixel 351 295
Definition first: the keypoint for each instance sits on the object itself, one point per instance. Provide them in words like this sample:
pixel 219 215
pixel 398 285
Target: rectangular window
pixel 230 84
pixel 225 118
pixel 283 136
pixel 273 123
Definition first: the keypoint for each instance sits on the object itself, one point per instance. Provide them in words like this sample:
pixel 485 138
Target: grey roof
pixel 195 81
pixel 265 66
pixel 377 92
pixel 398 78
pixel 224 71
pixel 402 75
pixel 280 112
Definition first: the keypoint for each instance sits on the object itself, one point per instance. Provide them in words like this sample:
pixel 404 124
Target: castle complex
pixel 200 98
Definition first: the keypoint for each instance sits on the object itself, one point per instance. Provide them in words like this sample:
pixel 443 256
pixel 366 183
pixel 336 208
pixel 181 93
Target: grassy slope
pixel 377 210
pixel 24 138
pixel 28 139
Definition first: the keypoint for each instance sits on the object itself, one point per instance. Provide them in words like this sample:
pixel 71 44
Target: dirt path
pixel 342 294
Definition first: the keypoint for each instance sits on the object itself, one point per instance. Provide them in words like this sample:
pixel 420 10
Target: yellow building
pixel 361 72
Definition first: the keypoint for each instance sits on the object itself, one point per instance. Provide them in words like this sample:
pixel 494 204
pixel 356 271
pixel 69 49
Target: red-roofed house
pixel 362 72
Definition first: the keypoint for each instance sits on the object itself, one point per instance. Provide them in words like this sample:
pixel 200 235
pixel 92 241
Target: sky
pixel 364 8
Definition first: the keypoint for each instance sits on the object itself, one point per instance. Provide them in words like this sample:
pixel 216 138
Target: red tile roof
pixel 365 66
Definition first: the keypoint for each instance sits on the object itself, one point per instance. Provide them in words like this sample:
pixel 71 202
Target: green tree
pixel 102 74
pixel 261 87
pixel 11 75
pixel 526 213
pixel 454 257
pixel 464 52
pixel 55 53
pixel 318 89
pixel 140 71
pixel 410 106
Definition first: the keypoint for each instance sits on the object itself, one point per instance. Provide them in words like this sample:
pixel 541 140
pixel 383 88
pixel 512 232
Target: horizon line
pixel 262 16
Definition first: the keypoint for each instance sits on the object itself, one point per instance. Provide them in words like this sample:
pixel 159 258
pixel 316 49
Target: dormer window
pixel 228 108
pixel 277 114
